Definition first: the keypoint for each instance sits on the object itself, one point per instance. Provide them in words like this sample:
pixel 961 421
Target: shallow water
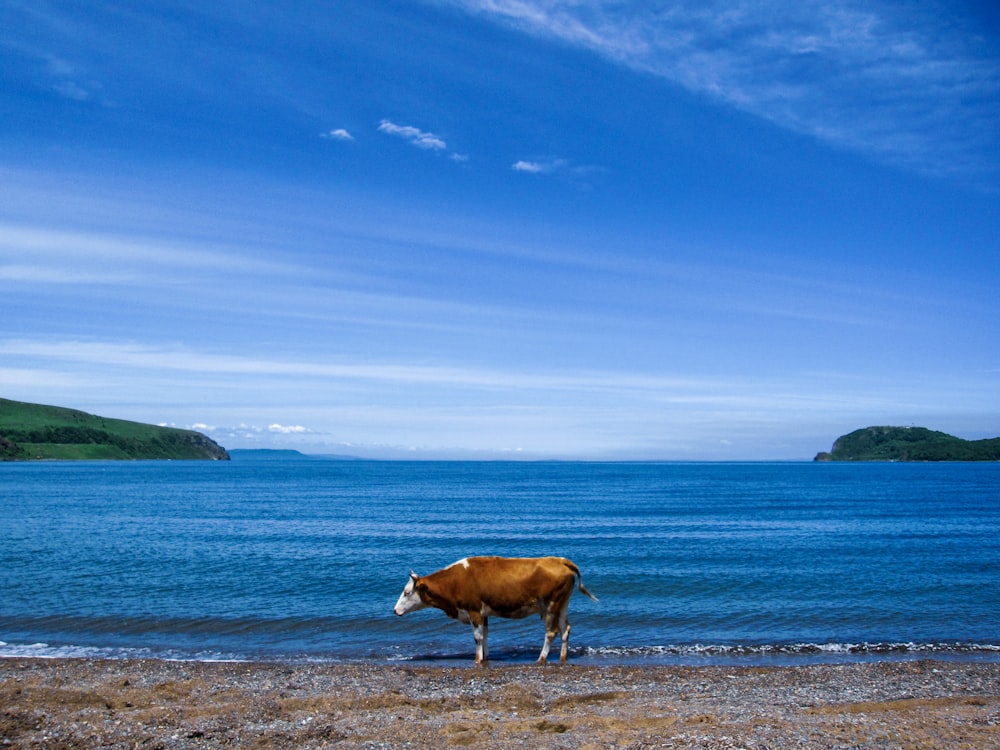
pixel 304 559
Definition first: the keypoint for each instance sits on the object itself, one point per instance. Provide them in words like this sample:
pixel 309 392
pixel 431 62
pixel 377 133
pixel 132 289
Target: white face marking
pixel 409 600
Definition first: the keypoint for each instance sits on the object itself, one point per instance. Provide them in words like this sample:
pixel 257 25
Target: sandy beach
pixel 83 703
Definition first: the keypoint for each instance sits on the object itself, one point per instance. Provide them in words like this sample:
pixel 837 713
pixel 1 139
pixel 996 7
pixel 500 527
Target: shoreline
pixel 127 703
pixel 751 654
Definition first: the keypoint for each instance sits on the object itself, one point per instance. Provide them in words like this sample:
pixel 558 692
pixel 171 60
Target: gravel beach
pixel 84 703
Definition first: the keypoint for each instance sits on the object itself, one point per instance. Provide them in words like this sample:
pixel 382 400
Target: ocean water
pixel 303 559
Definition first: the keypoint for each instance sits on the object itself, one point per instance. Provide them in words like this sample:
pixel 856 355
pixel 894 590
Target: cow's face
pixel 410 600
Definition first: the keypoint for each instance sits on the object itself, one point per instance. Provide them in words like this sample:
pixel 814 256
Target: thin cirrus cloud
pixel 150 357
pixel 61 256
pixel 600 390
pixel 906 84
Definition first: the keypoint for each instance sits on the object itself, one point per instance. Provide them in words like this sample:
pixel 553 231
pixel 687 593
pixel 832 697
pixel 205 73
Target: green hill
pixel 30 432
pixel 909 444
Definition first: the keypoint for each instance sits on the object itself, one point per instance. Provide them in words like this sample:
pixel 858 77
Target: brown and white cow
pixel 473 589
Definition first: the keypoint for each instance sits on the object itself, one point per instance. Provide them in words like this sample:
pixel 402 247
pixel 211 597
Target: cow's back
pixel 508 584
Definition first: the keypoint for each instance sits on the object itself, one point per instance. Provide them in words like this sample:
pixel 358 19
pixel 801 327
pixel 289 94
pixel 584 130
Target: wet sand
pixel 84 703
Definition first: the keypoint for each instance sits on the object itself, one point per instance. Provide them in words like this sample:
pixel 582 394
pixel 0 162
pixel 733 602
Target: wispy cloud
pixel 282 429
pixel 37 379
pixel 66 256
pixel 68 83
pixel 244 430
pixel 909 84
pixel 34 274
pixel 71 90
pixel 178 359
pixel 561 167
pixel 421 139
pixel 417 137
pixel 339 134
pixel 531 167
pixel 551 412
pixel 552 166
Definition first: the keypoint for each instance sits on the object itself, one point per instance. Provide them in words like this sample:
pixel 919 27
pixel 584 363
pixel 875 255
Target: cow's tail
pixel 579 579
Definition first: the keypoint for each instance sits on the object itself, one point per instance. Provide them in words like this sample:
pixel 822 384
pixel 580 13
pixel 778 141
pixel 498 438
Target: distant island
pixel 909 444
pixel 34 432
pixel 285 454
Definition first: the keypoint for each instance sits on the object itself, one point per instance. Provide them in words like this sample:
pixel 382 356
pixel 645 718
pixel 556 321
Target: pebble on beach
pixel 149 704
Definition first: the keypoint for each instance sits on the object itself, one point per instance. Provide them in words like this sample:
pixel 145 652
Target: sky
pixel 505 229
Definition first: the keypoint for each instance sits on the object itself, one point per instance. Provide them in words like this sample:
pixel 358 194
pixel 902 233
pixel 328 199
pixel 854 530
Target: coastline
pixel 127 703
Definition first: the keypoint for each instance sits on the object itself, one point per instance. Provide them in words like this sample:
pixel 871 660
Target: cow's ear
pixel 413 575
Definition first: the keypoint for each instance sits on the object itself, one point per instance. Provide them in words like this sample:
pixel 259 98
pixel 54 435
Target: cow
pixel 474 588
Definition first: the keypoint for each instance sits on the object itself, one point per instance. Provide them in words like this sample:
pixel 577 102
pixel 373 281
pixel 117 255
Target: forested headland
pixel 36 432
pixel 909 444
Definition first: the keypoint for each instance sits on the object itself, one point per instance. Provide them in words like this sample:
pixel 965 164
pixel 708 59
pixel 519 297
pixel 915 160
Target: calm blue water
pixel 304 559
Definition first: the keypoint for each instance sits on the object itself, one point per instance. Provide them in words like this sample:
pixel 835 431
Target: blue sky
pixel 593 229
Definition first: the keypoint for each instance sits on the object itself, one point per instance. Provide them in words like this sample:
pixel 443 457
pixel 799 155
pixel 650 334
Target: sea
pixel 302 559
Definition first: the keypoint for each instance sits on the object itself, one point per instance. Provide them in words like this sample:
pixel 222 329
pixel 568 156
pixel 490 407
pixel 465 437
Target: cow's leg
pixel 486 639
pixel 556 616
pixel 480 631
pixel 564 635
pixel 550 635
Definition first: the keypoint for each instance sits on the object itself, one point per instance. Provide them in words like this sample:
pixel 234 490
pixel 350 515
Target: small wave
pixel 795 651
pixel 72 651
pixel 45 651
pixel 680 654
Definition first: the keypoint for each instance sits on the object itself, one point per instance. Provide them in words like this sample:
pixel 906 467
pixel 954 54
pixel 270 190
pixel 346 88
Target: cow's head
pixel 410 600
